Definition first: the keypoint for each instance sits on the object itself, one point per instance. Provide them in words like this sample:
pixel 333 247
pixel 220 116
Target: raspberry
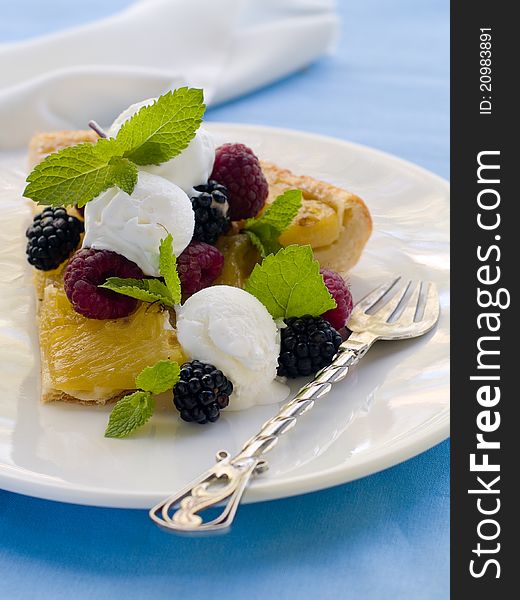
pixel 336 285
pixel 201 392
pixel 307 345
pixel 238 168
pixel 52 238
pixel 211 212
pixel 198 267
pixel 89 268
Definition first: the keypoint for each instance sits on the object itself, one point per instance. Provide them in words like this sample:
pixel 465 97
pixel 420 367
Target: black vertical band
pixel 485 256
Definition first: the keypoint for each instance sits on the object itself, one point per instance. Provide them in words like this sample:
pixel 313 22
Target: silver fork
pixel 393 311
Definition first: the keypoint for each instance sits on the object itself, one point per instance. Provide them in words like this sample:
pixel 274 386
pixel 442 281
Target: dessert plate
pixel 394 406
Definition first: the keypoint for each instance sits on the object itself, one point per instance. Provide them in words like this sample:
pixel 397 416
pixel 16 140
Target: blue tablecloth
pixel 386 536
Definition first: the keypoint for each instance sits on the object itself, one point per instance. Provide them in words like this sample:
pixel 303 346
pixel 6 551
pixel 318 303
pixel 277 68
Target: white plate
pixel 393 406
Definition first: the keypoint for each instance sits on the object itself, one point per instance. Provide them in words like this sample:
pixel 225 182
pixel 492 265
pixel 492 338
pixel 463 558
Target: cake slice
pixel 87 360
pixel 95 361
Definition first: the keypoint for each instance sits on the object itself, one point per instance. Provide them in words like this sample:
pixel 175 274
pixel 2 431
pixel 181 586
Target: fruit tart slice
pixel 222 210
pixel 85 360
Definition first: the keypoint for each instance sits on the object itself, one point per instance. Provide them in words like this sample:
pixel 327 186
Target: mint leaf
pixel 162 130
pixel 257 243
pixel 153 290
pixel 130 413
pixel 159 378
pixel 157 133
pixel 168 268
pixel 105 149
pixel 134 410
pixel 265 239
pixel 124 174
pixel 149 290
pixel 265 230
pixel 74 175
pixel 289 284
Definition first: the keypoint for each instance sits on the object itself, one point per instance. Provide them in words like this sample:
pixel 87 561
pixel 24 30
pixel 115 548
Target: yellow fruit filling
pixel 240 258
pixel 316 224
pixel 88 354
pixel 44 278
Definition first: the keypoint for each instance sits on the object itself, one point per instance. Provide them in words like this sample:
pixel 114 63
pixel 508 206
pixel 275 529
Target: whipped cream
pixel 231 329
pixel 135 225
pixel 190 168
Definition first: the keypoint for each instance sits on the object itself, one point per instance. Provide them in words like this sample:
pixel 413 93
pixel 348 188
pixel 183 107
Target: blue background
pixel 386 536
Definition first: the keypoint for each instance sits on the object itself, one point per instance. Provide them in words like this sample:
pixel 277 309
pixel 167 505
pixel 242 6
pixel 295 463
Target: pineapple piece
pixel 85 355
pixel 316 224
pixel 240 258
pixel 341 251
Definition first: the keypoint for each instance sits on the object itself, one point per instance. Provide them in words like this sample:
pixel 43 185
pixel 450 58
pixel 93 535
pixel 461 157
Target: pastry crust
pixel 43 144
pixel 353 215
pixel 50 394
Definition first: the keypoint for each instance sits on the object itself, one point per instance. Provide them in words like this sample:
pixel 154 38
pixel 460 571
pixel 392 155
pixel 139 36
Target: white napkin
pixel 227 47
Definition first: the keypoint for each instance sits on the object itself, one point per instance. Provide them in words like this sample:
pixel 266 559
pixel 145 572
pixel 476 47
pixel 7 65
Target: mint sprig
pixel 159 378
pixel 153 290
pixel 124 174
pixel 289 284
pixel 77 174
pixel 168 268
pixel 130 413
pixel 265 230
pixel 134 410
pixel 162 130
pixel 147 290
pixel 157 133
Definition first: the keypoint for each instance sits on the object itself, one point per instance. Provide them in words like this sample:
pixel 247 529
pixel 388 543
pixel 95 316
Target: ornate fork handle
pixel 228 479
pixel 348 355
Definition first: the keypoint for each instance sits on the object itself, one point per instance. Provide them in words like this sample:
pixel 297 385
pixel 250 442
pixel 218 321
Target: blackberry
pixel 201 392
pixel 211 212
pixel 308 344
pixel 52 238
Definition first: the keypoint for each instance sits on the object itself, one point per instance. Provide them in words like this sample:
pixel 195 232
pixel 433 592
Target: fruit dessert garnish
pixel 231 329
pixel 340 291
pixel 134 224
pixel 165 264
pixel 201 392
pixel 237 167
pixel 191 166
pixel 242 343
pixel 199 266
pixel 52 238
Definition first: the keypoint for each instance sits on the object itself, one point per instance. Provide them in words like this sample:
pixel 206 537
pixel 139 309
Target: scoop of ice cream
pixel 231 329
pixel 126 114
pixel 191 167
pixel 134 225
